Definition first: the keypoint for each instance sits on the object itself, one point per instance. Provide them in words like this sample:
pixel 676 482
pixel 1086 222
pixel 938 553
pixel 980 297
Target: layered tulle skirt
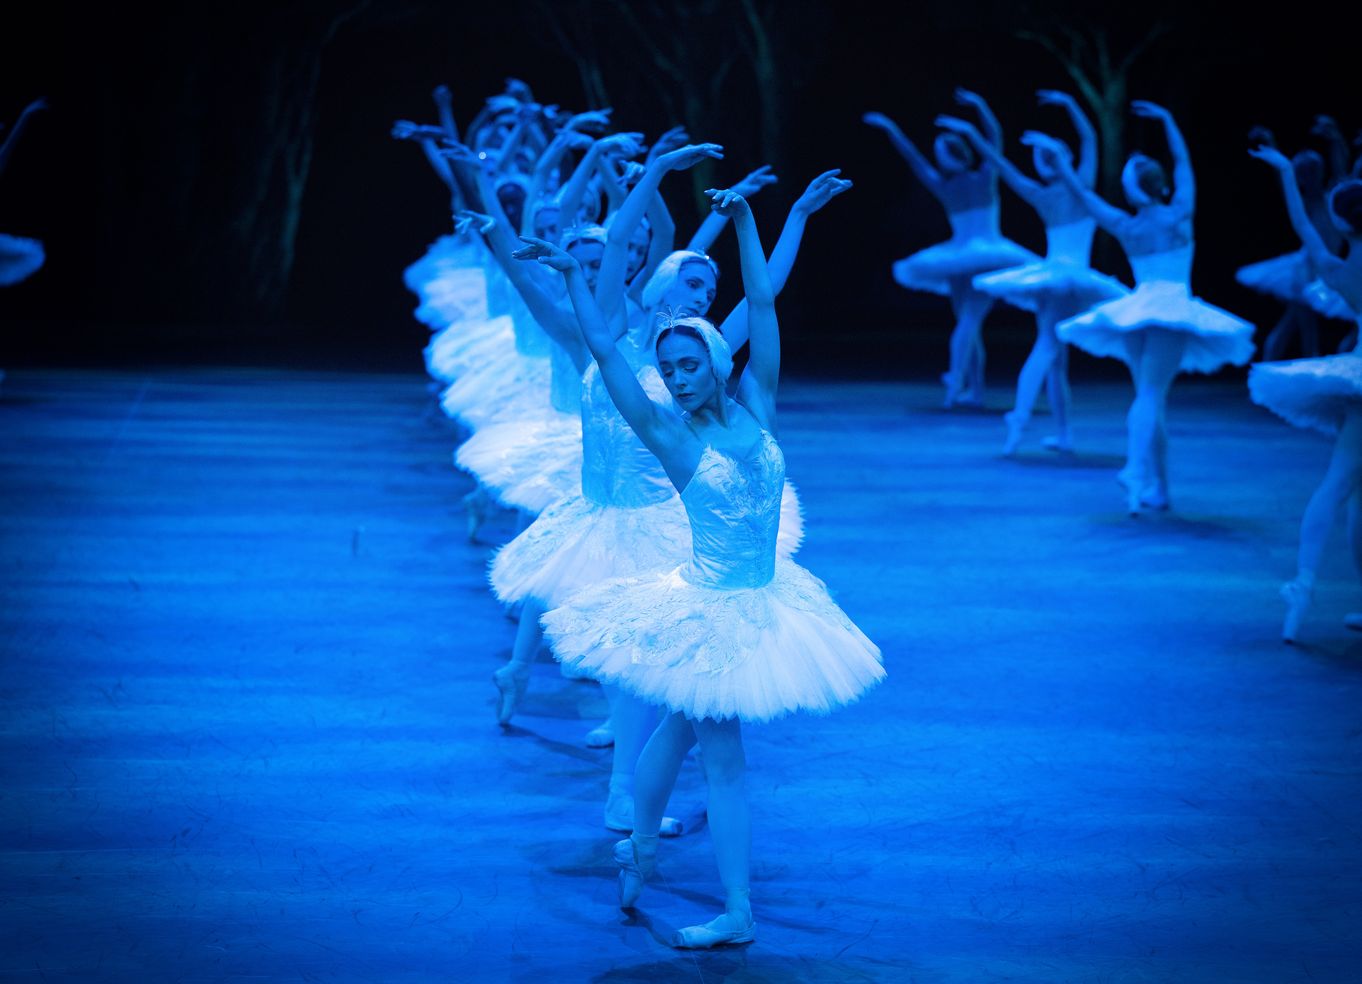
pixel 1283 277
pixel 1328 302
pixel 1312 393
pixel 935 268
pixel 709 652
pixel 511 387
pixel 1073 285
pixel 576 542
pixel 468 345
pixel 1214 337
pixel 528 463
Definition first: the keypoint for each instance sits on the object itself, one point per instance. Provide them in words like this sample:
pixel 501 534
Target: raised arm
pixel 1184 180
pixel 1326 128
pixel 714 222
pixel 1319 253
pixel 1087 135
pixel 820 191
pixel 444 108
pixel 1027 189
pixel 917 163
pixel 991 127
pixel 1108 216
pixel 760 378
pixel 615 262
pixel 663 432
pixel 20 124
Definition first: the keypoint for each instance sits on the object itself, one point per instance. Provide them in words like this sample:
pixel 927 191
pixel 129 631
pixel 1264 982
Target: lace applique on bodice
pixel 530 338
pixel 975 223
pixel 1071 241
pixel 565 382
pixel 1168 266
pixel 617 470
pixel 734 509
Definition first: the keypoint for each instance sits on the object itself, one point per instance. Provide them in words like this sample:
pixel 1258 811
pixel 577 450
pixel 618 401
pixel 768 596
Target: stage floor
pixel 248 729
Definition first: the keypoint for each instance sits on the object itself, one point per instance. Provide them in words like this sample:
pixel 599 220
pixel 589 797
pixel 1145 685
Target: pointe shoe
pixel 619 817
pixel 727 930
pixel 1059 443
pixel 1128 481
pixel 1297 597
pixel 601 736
pixel 510 688
pixel 1016 424
pixel 475 506
pixel 1156 497
pixel 634 871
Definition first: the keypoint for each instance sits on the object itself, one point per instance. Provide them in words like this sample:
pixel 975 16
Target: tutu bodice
pixel 530 338
pixel 975 223
pixel 617 470
pixel 1070 242
pixel 565 382
pixel 1173 266
pixel 734 509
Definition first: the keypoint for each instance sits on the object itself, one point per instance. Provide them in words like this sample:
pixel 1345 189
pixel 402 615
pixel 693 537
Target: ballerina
pixel 1321 393
pixel 20 257
pixel 735 634
pixel 1057 287
pixel 968 190
pixel 1160 329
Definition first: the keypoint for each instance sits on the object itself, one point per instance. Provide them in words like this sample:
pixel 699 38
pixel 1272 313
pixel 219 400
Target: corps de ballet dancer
pixel 1323 394
pixel 735 633
pixel 1160 329
pixel 1057 287
pixel 967 188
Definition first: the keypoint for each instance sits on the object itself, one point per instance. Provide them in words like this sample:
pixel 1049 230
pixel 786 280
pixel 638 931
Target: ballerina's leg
pixel 1155 357
pixel 730 823
pixel 970 307
pixel 1057 391
pixel 655 774
pixel 1275 345
pixel 1034 371
pixel 632 721
pixel 513 678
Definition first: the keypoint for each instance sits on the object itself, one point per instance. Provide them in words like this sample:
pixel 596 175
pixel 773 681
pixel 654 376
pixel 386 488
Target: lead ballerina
pixel 735 634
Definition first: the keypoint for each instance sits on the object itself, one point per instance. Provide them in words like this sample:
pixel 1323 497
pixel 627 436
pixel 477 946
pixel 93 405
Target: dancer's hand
pixel 956 125
pixel 592 121
pixel 631 172
pixel 728 203
pixel 1272 156
pixel 880 122
pixel 442 94
pixel 1061 156
pixel 543 251
pixel 755 181
pixel 1055 97
pixel 576 141
pixel 1326 127
pixel 820 191
pixel 690 155
pixel 35 106
pixel 967 98
pixel 461 153
pixel 1149 110
pixel 621 145
pixel 1261 136
pixel 407 130
pixel 518 90
pixel 673 139
pixel 466 219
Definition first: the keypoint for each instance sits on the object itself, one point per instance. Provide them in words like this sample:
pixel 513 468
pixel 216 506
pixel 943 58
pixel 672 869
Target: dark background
pixel 215 183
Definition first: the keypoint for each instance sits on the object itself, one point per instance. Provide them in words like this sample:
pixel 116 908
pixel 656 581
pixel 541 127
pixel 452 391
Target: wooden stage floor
pixel 248 736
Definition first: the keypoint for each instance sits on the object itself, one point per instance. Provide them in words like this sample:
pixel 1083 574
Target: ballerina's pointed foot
pixel 1016 425
pixel 1058 443
pixel 475 506
pixel 619 817
pixel 730 929
pixel 511 684
pixel 1130 482
pixel 1156 497
pixel 1297 597
pixel 601 736
pixel 634 871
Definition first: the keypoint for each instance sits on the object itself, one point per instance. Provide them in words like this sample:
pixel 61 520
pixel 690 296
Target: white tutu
pixel 1049 280
pixel 528 463
pixel 1215 337
pixel 507 390
pixel 1283 277
pixel 1328 302
pixel 750 653
pixel 20 258
pixel 469 345
pixel 576 543
pixel 1311 393
pixel 934 268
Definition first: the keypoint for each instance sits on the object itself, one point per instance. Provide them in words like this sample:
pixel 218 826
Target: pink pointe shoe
pixel 1297 597
pixel 728 930
pixel 633 871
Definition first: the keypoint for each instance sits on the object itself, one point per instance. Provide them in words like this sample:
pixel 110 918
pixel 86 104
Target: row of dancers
pixel 573 344
pixel 1159 329
pixel 598 401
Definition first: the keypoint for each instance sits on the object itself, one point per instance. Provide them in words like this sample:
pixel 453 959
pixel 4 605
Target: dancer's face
pixel 588 254
pixel 638 250
pixel 684 364
pixel 546 224
pixel 693 291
